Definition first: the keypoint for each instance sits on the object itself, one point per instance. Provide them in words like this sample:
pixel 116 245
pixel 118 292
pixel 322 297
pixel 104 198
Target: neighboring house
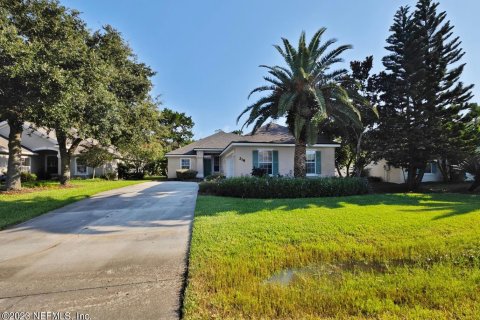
pixel 26 156
pixel 389 173
pixel 40 154
pixel 271 148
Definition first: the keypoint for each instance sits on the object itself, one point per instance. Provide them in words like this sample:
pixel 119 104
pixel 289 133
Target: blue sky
pixel 206 53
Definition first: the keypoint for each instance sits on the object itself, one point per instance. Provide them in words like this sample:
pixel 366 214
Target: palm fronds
pixel 305 87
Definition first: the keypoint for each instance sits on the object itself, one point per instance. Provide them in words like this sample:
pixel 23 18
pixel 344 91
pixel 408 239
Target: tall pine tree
pixel 421 90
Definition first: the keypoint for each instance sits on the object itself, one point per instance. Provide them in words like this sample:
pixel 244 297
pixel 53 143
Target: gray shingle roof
pixel 275 133
pixel 269 133
pixel 4 147
pixel 219 140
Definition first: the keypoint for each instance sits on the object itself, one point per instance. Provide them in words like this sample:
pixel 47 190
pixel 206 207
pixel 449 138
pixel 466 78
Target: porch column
pixel 199 164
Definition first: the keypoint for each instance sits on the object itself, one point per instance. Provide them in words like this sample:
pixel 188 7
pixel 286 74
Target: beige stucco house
pixel 40 154
pixel 392 174
pixel 270 148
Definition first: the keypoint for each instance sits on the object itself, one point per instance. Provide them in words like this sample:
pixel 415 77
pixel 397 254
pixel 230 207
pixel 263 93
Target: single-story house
pixel 270 148
pixel 41 155
pixel 389 173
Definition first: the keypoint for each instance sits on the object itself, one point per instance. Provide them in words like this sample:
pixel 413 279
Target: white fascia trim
pixel 207 149
pixel 246 144
pixel 46 148
pixel 180 155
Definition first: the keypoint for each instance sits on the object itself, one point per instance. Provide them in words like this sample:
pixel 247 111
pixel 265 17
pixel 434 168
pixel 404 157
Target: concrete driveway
pixel 118 255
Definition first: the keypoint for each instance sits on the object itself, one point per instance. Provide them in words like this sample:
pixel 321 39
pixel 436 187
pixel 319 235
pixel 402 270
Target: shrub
pixel 127 172
pixel 254 187
pixel 214 177
pixel 28 177
pixel 186 174
pixel 259 172
pixel 375 179
pixel 110 176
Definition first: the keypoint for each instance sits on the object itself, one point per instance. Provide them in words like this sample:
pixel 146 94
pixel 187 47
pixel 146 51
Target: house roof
pixel 271 133
pixel 217 141
pixel 49 139
pixel 4 147
pixel 275 133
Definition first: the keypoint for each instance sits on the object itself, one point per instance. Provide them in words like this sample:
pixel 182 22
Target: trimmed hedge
pixel 186 174
pixel 214 177
pixel 270 188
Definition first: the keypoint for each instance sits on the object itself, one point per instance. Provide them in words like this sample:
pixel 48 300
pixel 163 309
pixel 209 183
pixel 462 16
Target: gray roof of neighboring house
pixel 49 134
pixel 4 147
pixel 269 133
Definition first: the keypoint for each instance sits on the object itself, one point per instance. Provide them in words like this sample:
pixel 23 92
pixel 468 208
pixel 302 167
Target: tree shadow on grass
pixel 156 206
pixel 449 204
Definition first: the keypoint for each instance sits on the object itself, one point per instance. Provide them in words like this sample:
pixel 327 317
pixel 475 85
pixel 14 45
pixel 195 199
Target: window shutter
pixel 318 162
pixel 255 158
pixel 275 162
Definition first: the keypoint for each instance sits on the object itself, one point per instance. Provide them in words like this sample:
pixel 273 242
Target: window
pixel 431 168
pixel 25 162
pixel 265 161
pixel 311 163
pixel 216 164
pixel 80 167
pixel 185 163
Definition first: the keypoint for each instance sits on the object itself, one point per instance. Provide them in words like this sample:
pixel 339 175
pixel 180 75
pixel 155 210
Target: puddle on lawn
pixel 284 277
pixel 287 276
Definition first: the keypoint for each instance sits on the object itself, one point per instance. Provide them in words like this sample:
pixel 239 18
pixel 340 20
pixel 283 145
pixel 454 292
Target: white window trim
pixel 189 163
pixel 26 168
pixel 80 173
pixel 316 174
pixel 271 162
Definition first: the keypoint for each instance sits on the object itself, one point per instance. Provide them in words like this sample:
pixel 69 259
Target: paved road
pixel 118 255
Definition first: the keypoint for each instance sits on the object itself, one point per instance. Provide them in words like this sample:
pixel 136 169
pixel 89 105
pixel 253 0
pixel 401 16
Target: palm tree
pixel 306 92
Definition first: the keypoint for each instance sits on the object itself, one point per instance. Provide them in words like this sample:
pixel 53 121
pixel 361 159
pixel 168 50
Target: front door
pixel 207 166
pixel 52 165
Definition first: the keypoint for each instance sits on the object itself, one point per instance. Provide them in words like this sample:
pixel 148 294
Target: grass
pixel 392 256
pixel 22 206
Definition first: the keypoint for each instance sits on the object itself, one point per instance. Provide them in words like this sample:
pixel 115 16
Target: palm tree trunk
pixel 299 167
pixel 14 181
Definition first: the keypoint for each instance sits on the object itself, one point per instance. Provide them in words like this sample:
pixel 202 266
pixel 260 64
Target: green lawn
pixel 15 208
pixel 390 256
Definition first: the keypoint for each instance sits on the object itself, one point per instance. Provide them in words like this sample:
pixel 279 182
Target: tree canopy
pixel 422 97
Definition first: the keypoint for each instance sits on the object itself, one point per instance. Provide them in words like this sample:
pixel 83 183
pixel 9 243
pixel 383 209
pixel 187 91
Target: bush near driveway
pixel 267 188
pixel 186 174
